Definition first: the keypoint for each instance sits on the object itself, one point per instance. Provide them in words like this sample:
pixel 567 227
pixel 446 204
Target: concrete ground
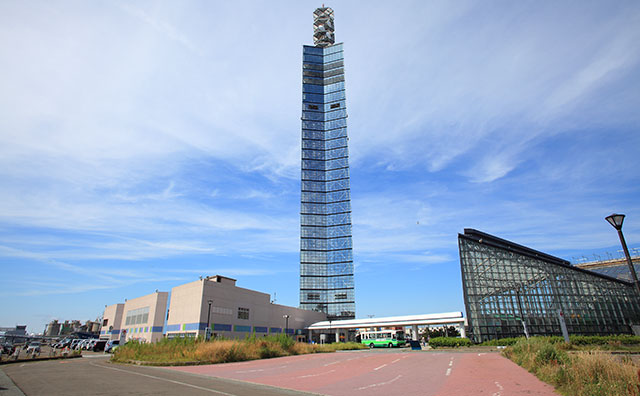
pixel 386 372
pixel 375 372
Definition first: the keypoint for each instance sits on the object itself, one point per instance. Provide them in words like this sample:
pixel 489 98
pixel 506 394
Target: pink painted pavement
pixel 386 373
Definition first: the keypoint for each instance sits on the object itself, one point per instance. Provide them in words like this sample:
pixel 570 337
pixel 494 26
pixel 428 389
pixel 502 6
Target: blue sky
pixel 147 143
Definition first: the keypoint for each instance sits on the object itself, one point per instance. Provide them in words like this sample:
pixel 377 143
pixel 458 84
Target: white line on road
pixel 165 379
pixel 329 364
pixel 498 393
pixel 249 371
pixel 381 383
pixel 397 360
pixel 378 368
pixel 315 375
pixel 451 363
pixel 448 371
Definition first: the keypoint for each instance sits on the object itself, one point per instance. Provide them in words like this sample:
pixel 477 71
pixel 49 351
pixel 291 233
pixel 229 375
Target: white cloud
pixel 137 133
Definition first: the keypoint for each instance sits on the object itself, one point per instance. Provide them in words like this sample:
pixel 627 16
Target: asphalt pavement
pixel 95 375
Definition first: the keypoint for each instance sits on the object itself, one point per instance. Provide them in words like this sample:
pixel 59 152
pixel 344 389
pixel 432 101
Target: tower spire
pixel 323 28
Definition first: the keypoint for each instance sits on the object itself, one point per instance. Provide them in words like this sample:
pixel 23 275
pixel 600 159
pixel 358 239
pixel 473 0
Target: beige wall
pixel 113 316
pixel 189 306
pixel 186 303
pixel 150 330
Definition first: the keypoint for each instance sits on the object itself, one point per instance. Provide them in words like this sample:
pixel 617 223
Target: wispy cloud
pixel 144 141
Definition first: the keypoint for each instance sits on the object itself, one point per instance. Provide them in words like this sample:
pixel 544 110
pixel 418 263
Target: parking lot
pixel 93 375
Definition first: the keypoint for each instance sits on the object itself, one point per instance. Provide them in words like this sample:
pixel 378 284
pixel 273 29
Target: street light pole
pixel 208 332
pixel 616 221
pixel 524 324
pixel 286 322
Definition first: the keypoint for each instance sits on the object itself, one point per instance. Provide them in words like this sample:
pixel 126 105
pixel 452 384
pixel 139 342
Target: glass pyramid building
pixel 326 258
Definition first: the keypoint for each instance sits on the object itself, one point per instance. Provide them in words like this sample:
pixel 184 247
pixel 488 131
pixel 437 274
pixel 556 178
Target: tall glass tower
pixel 326 257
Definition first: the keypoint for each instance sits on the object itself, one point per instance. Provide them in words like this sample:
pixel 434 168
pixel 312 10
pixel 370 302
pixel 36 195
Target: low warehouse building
pixel 216 303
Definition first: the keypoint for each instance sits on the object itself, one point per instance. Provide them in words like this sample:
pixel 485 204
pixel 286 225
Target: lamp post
pixel 524 324
pixel 616 221
pixel 286 322
pixel 208 332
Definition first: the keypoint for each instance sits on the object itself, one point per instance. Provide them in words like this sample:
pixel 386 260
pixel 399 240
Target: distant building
pixel 69 327
pixel 510 289
pixel 53 329
pixel 75 327
pixel 615 268
pixel 231 311
pixel 92 327
pixel 14 335
pixel 112 322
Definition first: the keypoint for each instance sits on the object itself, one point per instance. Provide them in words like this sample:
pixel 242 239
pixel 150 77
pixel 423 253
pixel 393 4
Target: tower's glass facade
pixel 508 287
pixel 326 258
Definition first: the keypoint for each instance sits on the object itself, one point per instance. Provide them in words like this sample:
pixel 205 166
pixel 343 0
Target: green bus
pixel 383 338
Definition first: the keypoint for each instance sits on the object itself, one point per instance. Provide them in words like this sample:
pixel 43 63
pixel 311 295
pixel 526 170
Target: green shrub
pixel 622 339
pixel 501 342
pixel 550 354
pixel 449 342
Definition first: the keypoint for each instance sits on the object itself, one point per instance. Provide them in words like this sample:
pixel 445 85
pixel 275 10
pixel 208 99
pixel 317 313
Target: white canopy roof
pixel 408 320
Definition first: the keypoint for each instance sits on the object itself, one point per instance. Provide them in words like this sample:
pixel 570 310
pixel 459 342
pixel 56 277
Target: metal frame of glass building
pixel 326 258
pixel 508 287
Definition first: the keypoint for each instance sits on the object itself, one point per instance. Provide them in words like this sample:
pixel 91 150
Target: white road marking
pixel 480 354
pixel 381 383
pixel 264 369
pixel 249 371
pixel 448 371
pixel 315 375
pixel 498 393
pixel 167 380
pixel 329 364
pixel 451 363
pixel 397 360
pixel 378 368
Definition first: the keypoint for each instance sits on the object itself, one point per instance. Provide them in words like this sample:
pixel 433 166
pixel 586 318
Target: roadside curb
pixel 8 387
pixel 38 359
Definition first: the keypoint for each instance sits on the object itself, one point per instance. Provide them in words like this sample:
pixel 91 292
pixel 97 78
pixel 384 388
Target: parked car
pixel 111 346
pixel 74 343
pixel 63 343
pixel 80 346
pixel 34 348
pixel 99 345
pixel 7 348
pixel 88 344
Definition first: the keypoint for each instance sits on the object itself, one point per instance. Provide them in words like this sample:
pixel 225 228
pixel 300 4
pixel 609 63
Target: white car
pixel 33 348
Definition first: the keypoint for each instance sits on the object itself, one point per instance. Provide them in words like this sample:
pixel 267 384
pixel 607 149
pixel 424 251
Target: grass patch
pixel 454 342
pixel 576 372
pixel 187 351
